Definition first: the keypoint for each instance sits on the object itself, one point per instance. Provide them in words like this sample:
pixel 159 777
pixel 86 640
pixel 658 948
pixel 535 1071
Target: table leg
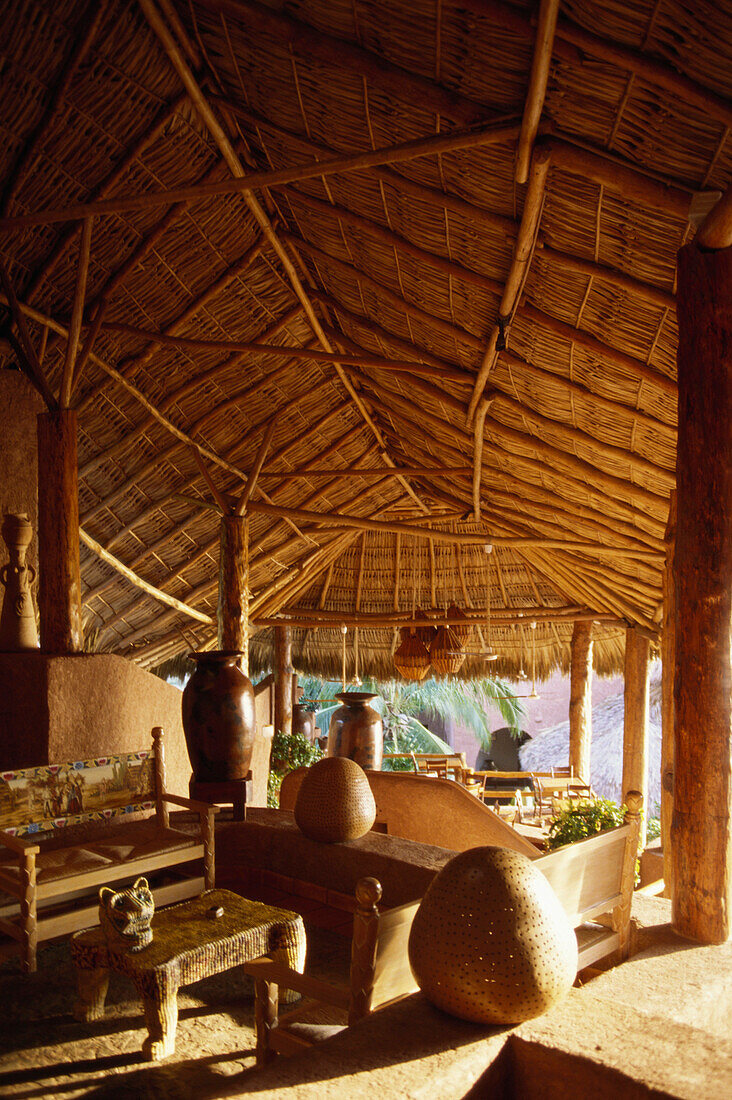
pixel 92 988
pixel 266 1009
pixel 161 1016
pixel 291 953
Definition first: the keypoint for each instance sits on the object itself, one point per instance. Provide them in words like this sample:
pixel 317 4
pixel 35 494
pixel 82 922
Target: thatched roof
pixel 513 342
pixel 550 748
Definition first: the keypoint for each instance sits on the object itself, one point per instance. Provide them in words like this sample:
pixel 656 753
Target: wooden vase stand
pixel 227 792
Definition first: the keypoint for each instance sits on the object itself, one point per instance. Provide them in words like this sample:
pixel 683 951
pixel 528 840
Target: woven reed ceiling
pixel 556 425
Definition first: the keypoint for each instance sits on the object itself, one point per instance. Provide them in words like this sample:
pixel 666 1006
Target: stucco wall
pixel 54 709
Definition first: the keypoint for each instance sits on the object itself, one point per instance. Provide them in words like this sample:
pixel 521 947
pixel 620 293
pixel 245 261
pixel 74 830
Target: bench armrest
pixel 189 803
pixel 17 844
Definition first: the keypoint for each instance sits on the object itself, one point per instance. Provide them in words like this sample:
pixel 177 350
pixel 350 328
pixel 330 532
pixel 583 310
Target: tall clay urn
pixel 218 717
pixel 356 730
pixel 303 721
pixel 18 617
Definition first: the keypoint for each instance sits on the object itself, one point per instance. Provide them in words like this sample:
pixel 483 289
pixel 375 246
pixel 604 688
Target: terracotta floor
pixel 45 1052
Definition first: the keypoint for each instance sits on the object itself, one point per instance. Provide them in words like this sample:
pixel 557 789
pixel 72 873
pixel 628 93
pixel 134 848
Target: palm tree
pixel 466 701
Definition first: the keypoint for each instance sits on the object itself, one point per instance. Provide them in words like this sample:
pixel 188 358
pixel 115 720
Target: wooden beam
pixel 635 735
pixel 236 168
pixel 702 840
pixel 668 708
pixel 279 351
pixel 138 582
pixel 27 355
pixel 510 618
pixel 283 678
pixel 339 519
pixel 59 591
pixel 580 701
pixel 241 507
pixel 474 215
pixel 77 312
pixel 367 471
pixel 534 104
pixel 232 610
pixel 497 134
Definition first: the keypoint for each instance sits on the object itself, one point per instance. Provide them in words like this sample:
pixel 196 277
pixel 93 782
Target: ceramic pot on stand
pixel 303 721
pixel 218 718
pixel 356 730
pixel 18 620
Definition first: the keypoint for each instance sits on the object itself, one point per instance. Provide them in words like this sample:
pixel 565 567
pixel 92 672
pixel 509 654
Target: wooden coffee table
pixel 187 945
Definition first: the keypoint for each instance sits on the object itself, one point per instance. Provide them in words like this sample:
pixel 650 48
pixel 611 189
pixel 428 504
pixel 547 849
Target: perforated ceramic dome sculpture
pixel 335 803
pixel 491 942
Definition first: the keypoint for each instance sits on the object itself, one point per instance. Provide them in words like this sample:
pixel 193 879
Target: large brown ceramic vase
pixel 356 730
pixel 218 717
pixel 303 721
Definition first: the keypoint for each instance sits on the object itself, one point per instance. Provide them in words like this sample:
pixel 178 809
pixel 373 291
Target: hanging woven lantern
pixel 425 633
pixel 411 659
pixel 446 651
pixel 462 631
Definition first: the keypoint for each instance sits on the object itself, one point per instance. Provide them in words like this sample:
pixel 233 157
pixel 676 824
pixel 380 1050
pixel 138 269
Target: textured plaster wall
pixel 54 709
pixel 19 407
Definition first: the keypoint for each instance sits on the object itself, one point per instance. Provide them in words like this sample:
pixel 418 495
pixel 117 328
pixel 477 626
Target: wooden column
pixel 59 588
pixel 233 606
pixel 668 734
pixel 580 701
pixel 283 678
pixel 635 739
pixel 701 832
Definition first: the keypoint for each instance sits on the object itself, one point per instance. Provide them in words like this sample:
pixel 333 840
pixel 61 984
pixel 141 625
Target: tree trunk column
pixel 283 678
pixel 233 606
pixel 635 735
pixel 701 831
pixel 668 719
pixel 59 584
pixel 580 701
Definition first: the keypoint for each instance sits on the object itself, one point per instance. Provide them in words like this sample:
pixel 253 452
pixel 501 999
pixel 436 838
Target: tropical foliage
pixel 583 819
pixel 468 702
pixel 289 751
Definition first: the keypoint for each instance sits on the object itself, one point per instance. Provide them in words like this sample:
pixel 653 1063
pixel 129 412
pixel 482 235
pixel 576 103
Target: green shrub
pixel 584 819
pixel 289 751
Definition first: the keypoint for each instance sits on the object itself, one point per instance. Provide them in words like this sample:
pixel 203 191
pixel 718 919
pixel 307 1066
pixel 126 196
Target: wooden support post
pixel 668 712
pixel 635 740
pixel 701 832
pixel 59 592
pixel 580 701
pixel 233 606
pixel 283 678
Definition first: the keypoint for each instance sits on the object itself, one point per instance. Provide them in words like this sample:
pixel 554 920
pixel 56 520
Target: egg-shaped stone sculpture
pixel 490 941
pixel 335 803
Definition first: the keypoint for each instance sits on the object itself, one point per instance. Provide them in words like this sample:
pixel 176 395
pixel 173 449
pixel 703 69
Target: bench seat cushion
pixel 113 848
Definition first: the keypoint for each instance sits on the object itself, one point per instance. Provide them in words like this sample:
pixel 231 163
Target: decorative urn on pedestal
pixel 356 730
pixel 219 718
pixel 18 620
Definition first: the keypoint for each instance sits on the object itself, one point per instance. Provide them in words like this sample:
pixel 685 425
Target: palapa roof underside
pixel 497 279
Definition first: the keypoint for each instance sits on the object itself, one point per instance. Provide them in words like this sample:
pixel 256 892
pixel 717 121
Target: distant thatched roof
pixel 508 345
pixel 551 747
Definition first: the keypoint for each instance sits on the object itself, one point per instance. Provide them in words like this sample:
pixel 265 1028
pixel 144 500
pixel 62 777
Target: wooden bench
pixel 593 879
pixel 63 834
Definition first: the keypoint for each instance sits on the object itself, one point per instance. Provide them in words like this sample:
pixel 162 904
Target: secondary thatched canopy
pixel 491 309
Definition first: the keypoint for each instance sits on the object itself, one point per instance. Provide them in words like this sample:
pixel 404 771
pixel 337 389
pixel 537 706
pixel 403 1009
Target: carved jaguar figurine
pixel 125 915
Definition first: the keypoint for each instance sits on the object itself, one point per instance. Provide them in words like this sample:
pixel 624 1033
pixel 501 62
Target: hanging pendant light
pixel 446 652
pixel 411 659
